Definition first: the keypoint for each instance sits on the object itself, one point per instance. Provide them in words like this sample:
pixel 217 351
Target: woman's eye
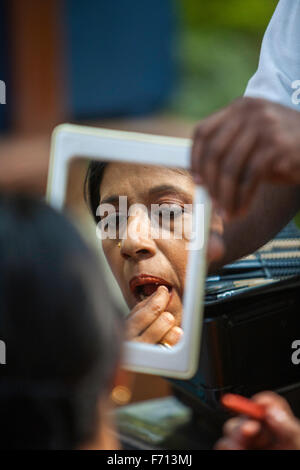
pixel 170 212
pixel 168 216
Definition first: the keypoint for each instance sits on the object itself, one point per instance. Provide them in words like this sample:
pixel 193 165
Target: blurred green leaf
pixel 219 45
pixel 247 15
pixel 215 67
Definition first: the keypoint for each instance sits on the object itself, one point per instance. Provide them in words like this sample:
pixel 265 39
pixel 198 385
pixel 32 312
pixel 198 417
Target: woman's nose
pixel 138 243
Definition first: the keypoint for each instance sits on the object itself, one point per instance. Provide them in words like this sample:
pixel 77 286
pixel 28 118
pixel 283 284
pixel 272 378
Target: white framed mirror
pixel 92 173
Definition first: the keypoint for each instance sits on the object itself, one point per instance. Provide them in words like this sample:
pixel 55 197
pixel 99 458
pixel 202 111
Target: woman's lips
pixel 144 285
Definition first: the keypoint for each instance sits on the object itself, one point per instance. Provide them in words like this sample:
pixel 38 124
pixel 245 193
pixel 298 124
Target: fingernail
pixel 250 427
pixel 222 213
pixel 178 330
pixel 163 287
pixel 277 415
pixel 168 316
pixel 198 179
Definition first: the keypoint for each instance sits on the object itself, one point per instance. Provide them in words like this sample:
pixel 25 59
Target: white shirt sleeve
pixel 278 75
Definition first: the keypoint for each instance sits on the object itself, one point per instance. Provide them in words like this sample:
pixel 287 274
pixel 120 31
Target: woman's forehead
pixel 125 175
pixel 139 181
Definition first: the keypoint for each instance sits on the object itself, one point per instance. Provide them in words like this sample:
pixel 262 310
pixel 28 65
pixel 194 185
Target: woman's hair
pixel 92 184
pixel 59 326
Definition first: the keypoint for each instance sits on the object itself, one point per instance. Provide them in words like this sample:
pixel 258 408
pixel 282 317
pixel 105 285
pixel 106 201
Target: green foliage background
pixel 218 50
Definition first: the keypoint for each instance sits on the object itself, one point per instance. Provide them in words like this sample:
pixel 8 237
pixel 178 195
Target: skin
pixel 158 317
pixel 248 157
pixel 280 430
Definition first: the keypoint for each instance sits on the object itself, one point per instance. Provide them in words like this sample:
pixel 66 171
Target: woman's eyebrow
pixel 163 188
pixel 169 188
pixel 113 199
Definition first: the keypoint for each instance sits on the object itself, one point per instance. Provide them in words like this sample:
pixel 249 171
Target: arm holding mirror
pixel 243 154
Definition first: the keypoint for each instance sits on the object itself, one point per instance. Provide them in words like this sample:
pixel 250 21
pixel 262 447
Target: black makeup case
pixel 249 333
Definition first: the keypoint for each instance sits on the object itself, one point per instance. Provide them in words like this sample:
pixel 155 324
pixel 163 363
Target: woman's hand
pixel 149 322
pixel 279 430
pixel 249 142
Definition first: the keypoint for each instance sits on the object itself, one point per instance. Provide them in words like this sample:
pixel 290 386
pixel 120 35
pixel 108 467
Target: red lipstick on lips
pixel 144 285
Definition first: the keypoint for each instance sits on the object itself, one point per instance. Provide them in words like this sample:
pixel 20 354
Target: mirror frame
pixel 71 141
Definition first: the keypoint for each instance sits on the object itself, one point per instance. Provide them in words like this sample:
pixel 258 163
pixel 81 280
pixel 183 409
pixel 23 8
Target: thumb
pixel 284 426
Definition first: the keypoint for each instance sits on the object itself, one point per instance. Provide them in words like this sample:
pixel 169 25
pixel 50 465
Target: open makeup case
pixel 252 318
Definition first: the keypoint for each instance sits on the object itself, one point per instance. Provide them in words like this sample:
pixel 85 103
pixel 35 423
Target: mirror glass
pixel 140 219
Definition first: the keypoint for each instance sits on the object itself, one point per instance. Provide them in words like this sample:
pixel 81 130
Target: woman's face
pixel 139 261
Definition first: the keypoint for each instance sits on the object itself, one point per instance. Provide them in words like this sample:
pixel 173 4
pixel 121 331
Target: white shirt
pixel 278 75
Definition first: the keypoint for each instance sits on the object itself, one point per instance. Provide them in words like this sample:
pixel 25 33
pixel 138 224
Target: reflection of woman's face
pixel 142 262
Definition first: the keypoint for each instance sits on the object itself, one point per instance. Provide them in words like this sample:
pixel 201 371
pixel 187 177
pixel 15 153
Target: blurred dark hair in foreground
pixel 61 330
